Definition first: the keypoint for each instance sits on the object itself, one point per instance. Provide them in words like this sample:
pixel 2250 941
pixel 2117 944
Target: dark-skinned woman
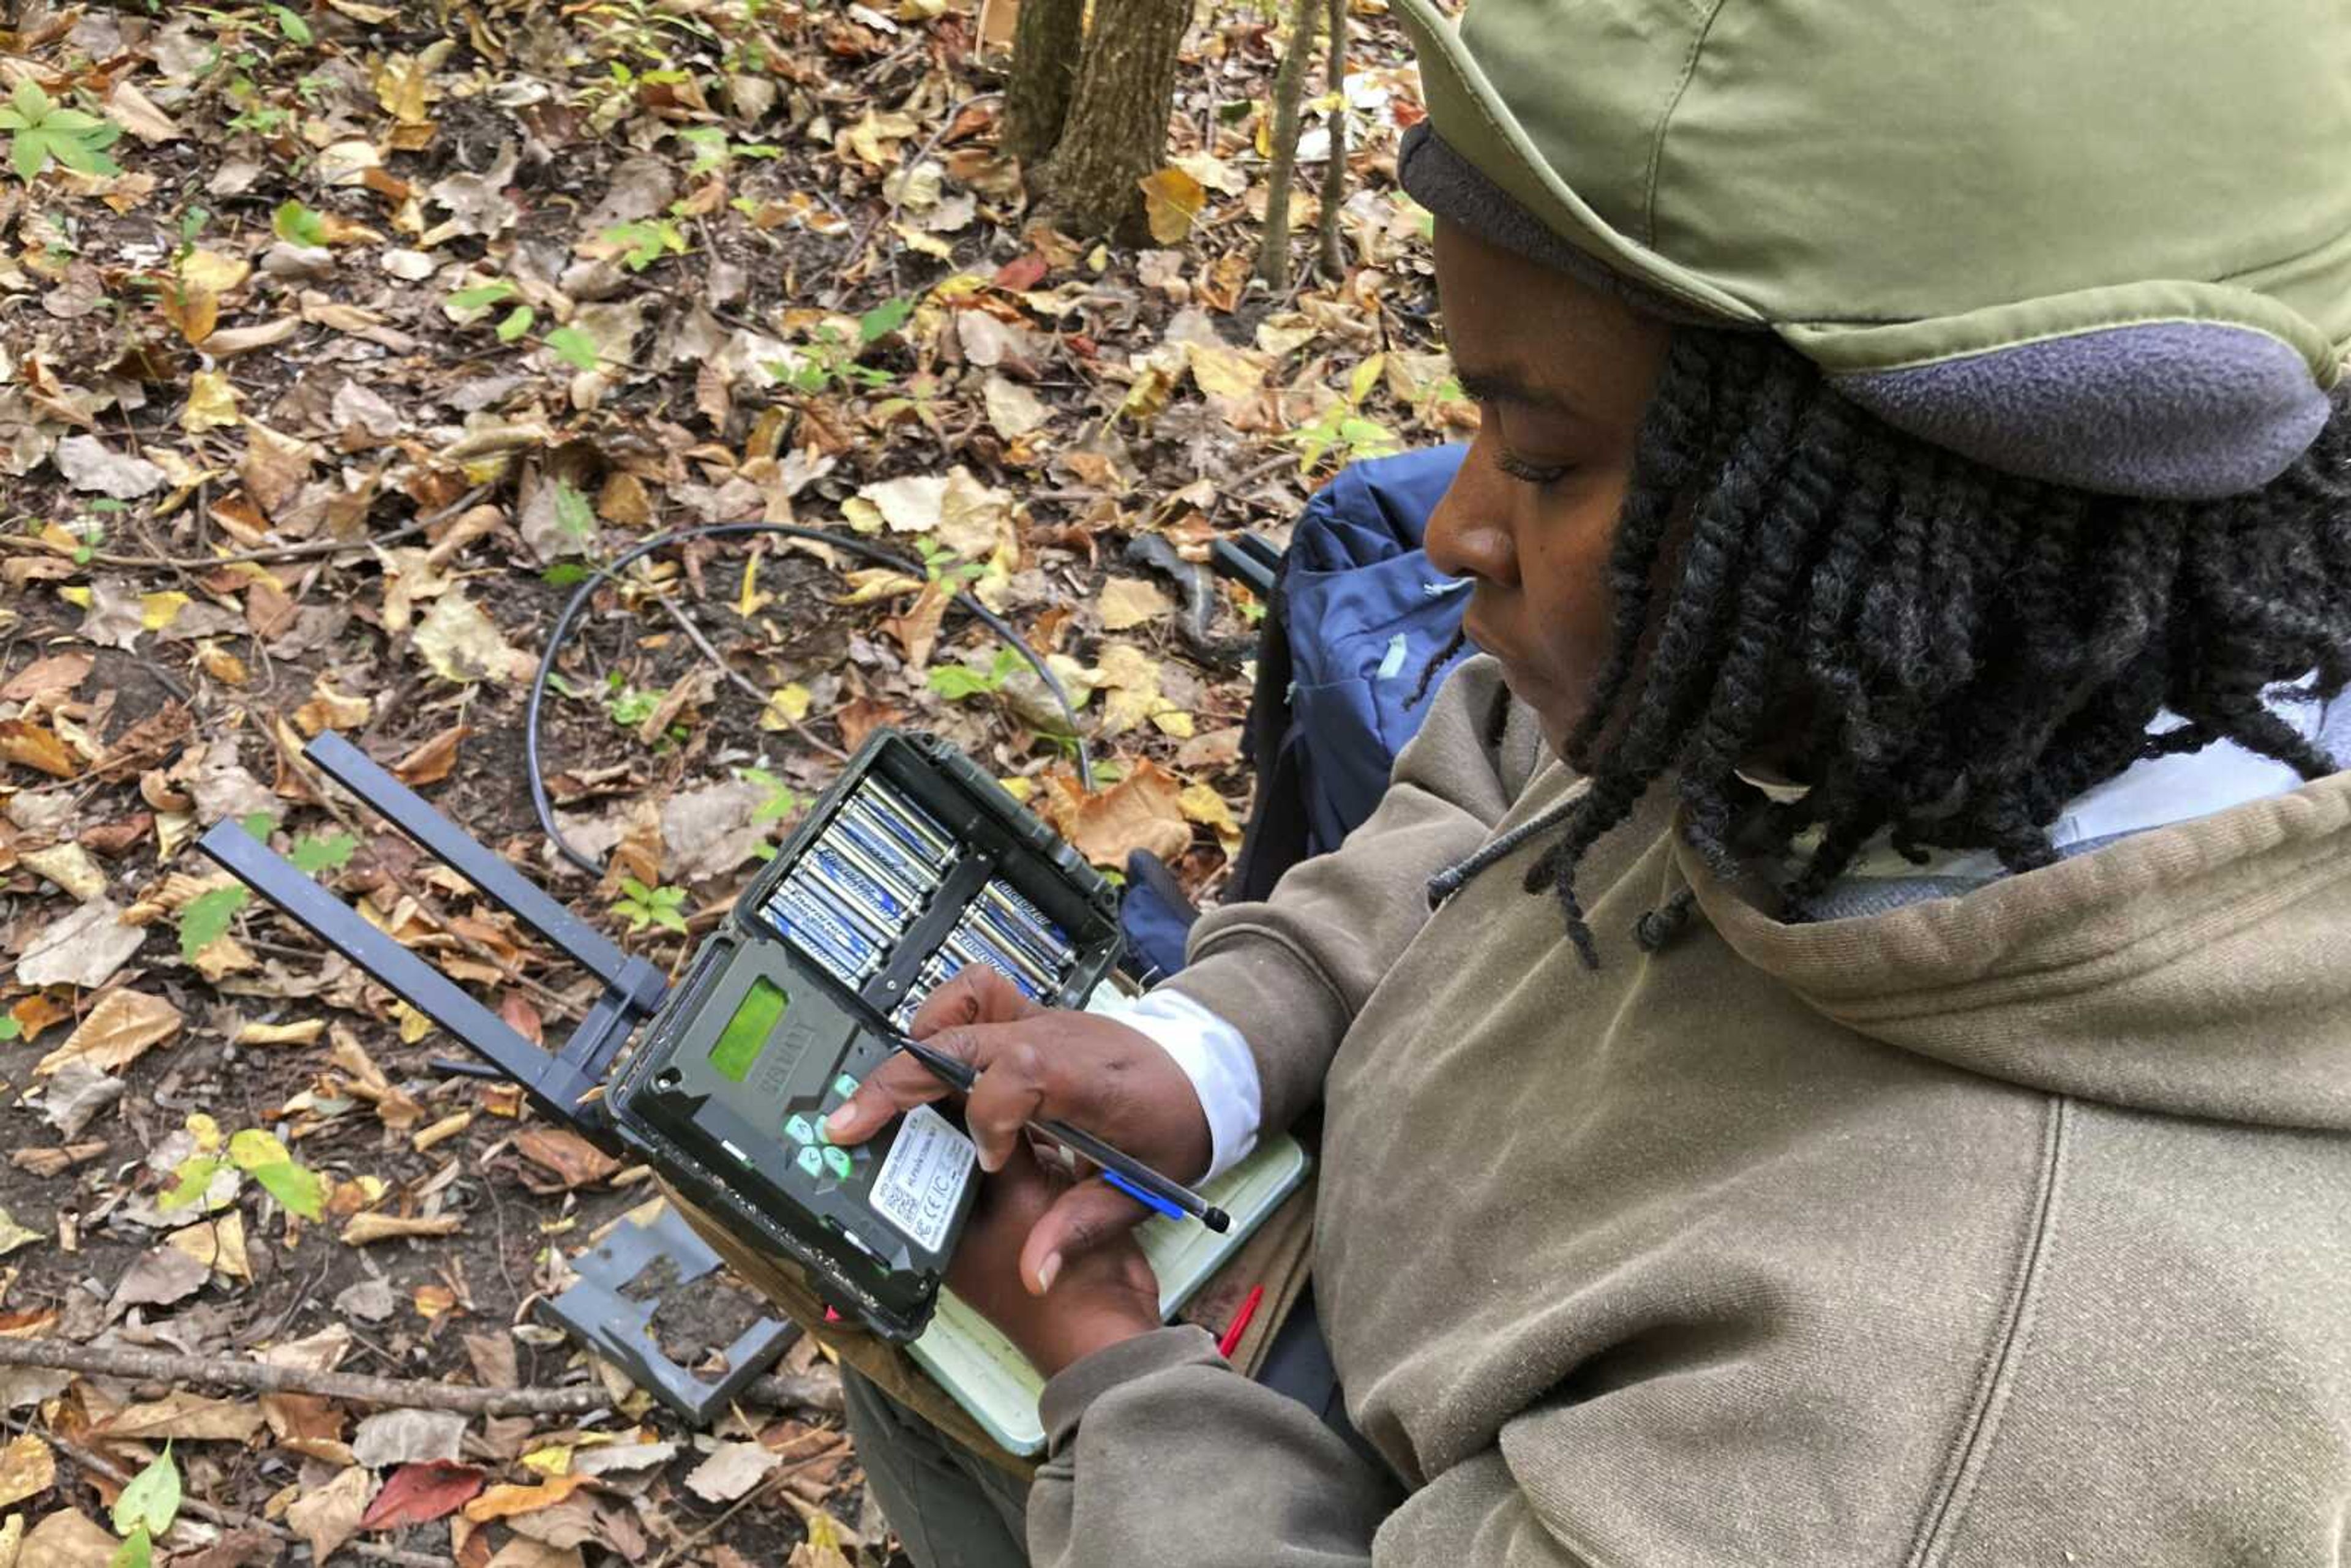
pixel 1836 1045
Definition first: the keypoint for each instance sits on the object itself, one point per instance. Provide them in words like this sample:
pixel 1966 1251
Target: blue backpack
pixel 1356 615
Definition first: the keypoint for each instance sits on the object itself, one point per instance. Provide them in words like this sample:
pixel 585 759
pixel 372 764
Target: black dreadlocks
pixel 1955 652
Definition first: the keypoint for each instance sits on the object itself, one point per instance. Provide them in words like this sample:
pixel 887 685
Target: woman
pixel 1912 534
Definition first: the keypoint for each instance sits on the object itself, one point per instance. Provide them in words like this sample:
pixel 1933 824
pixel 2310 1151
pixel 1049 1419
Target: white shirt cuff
pixel 1217 1060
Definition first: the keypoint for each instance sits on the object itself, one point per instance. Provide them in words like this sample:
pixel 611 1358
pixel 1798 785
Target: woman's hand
pixel 1088 1299
pixel 1036 1063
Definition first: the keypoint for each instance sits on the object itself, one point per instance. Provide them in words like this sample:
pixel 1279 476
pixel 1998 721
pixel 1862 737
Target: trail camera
pixel 913 866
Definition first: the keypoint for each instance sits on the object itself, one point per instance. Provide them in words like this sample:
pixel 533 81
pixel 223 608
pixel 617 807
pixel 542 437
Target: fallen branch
pixel 398 1392
pixel 288 552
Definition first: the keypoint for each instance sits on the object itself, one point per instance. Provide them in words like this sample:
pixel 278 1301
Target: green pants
pixel 952 1508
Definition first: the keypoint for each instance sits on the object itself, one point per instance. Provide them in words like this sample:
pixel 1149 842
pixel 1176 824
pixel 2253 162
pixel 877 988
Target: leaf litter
pixel 355 337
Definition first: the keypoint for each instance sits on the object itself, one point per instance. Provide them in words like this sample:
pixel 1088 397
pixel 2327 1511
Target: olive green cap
pixel 2104 241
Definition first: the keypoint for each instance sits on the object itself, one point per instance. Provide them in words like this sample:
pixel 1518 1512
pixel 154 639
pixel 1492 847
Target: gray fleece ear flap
pixel 2173 410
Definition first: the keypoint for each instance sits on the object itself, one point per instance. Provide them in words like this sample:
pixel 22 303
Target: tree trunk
pixel 1045 45
pixel 1116 132
pixel 1335 173
pixel 1289 87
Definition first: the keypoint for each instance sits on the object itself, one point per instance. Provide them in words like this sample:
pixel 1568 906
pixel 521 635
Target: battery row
pixel 853 896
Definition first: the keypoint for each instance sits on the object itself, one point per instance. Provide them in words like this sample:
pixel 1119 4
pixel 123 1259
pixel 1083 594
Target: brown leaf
pixel 45 678
pixel 366 1227
pixel 330 1515
pixel 181 1413
pixel 433 758
pixel 570 1159
pixel 68 1538
pixel 250 1547
pixel 146 743
pixel 119 838
pixel 36 746
pixel 117 1032
pixel 917 630
pixel 1141 811
pixel 27 1469
pixel 303 1417
pixel 158 1278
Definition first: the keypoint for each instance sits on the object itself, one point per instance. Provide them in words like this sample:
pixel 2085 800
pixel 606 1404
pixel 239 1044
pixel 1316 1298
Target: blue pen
pixel 1123 1171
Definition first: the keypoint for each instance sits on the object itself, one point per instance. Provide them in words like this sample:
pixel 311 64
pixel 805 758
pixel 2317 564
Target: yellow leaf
pixel 400 86
pixel 1366 377
pixel 212 403
pixel 750 600
pixel 1201 804
pixel 414 1025
pixel 1222 372
pixel 787 706
pixel 1172 199
pixel 1129 601
pixel 156 610
pixel 875 583
pixel 214 272
pixel 504 1501
pixel 554 1460
pixel 205 1131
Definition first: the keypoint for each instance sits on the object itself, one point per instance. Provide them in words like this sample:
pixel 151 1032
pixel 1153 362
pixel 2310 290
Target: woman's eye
pixel 1519 468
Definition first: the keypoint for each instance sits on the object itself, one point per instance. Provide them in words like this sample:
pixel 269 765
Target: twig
pixel 253 1377
pixel 396 1393
pixel 297 553
pixel 686 624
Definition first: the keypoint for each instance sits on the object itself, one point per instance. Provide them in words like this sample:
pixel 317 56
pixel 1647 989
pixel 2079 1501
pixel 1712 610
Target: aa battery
pixel 919 822
pixel 976 929
pixel 896 844
pixel 811 882
pixel 1006 932
pixel 839 868
pixel 972 951
pixel 1002 896
pixel 810 941
pixel 846 842
pixel 811 917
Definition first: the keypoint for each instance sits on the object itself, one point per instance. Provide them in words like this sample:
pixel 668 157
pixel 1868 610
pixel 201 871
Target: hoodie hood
pixel 2202 969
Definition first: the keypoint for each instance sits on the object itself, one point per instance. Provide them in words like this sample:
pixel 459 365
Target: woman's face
pixel 1562 374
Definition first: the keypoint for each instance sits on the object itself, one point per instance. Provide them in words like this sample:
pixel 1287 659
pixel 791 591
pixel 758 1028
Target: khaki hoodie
pixel 2006 1229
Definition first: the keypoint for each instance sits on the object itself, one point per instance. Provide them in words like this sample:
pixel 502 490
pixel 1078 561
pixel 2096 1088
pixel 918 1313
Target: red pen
pixel 1239 1325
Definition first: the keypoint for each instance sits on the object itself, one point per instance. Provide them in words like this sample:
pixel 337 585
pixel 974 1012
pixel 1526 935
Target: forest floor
pixel 328 374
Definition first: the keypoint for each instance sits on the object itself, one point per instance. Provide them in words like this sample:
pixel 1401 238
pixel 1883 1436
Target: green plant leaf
pixel 958 683
pixel 151 1502
pixel 298 224
pixel 9 1028
pixel 292 26
pixel 204 919
pixel 573 347
pixel 563 574
pixel 315 852
pixel 299 1189
pixel 573 515
pixel 137 1551
pixel 884 319
pixel 197 1172
pixel 482 296
pixel 42 129
pixel 260 824
pixel 516 323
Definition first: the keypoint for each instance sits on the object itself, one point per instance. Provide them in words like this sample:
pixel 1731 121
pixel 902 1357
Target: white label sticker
pixel 922 1180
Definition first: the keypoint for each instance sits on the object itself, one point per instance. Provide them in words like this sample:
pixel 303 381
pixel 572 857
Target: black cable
pixel 545 806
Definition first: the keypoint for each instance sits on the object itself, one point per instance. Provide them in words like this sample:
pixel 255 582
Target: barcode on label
pixel 922 1181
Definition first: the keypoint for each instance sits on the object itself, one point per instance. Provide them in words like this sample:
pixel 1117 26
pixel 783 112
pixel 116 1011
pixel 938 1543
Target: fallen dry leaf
pixel 418 1494
pixel 193 1418
pixel 117 1032
pixel 45 678
pixel 89 464
pixel 36 746
pixel 27 1469
pixel 68 1538
pixel 369 1227
pixel 731 1470
pixel 330 1515
pixel 1143 810
pixel 84 948
pixel 506 1501
pixel 158 1278
pixel 433 758
pixel 571 1159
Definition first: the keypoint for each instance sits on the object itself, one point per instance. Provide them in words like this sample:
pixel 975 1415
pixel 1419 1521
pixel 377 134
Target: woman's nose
pixel 1469 532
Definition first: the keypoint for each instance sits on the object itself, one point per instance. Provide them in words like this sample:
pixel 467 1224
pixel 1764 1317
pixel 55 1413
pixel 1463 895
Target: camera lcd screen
pixel 747 1033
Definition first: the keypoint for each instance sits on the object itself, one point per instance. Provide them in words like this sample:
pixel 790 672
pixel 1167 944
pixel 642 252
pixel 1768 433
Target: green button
pixel 813 1161
pixel 799 1130
pixel 837 1162
pixel 844 1086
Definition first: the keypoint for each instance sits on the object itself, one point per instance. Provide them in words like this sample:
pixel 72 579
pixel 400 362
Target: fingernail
pixel 988 1162
pixel 841 1117
pixel 1048 1272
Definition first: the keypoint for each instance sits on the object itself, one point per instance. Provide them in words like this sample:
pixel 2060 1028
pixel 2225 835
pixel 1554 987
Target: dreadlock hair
pixel 1959 651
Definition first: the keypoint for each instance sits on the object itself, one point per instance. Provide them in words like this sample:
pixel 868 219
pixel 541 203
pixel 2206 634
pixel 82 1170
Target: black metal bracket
pixel 562 1083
